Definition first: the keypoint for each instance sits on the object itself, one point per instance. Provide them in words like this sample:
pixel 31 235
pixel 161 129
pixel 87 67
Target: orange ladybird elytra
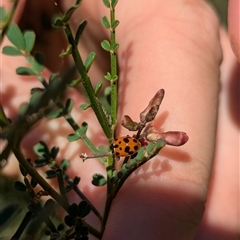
pixel 126 146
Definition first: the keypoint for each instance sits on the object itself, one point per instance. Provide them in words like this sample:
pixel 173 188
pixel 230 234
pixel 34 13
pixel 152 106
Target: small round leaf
pixel 106 45
pixel 76 180
pixel 98 180
pixel 105 22
pixel 84 208
pixel 60 227
pixel 11 51
pixel 20 186
pixel 64 164
pixel 25 71
pixel 29 37
pixel 15 36
pixel 50 174
pixel 106 3
pixel 41 162
pixel 89 60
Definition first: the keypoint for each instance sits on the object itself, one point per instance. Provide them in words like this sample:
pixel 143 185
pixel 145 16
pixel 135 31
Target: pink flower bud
pixel 151 111
pixel 128 123
pixel 174 138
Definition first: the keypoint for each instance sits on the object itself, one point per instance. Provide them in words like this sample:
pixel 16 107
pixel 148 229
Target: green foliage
pixel 16 37
pixel 3 14
pixel 20 186
pixel 106 22
pixel 98 180
pixel 89 60
pixel 106 45
pixel 79 31
pixel 29 37
pixel 11 51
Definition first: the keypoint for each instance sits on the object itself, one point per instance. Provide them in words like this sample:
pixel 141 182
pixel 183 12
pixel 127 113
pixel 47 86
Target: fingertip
pixel 233 26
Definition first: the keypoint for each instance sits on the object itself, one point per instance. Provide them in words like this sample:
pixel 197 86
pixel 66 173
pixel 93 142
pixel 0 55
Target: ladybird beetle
pixel 126 146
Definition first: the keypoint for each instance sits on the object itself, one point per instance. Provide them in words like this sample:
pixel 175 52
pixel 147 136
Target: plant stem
pixel 88 85
pixel 34 174
pixel 113 59
pixel 82 196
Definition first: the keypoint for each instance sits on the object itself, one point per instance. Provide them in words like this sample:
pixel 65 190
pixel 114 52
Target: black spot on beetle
pixel 127 150
pixel 135 148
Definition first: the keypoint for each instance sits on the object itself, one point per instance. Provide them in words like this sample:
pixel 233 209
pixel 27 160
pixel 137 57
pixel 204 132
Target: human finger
pixel 174 46
pixel 233 26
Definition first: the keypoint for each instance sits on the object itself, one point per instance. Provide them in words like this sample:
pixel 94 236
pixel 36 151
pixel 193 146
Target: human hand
pixel 174 46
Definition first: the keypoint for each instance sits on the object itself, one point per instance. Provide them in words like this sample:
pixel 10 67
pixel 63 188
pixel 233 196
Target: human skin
pixel 174 45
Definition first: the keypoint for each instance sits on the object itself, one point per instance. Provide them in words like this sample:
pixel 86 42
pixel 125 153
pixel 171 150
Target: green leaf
pixel 89 60
pixel 114 3
pixel 79 133
pixel 72 209
pixel 83 129
pixel 105 22
pixel 41 149
pixel 54 77
pixel 106 3
pixel 98 88
pixel 98 180
pixel 150 147
pixel 69 105
pixel 29 37
pixel 11 51
pixel 115 77
pixel 75 82
pixel 84 208
pixel 73 137
pixel 115 46
pixel 108 76
pixel 53 113
pixel 23 109
pixel 122 172
pixel 58 22
pixel 102 149
pixel 115 23
pixel 34 101
pixel 40 162
pixel 64 164
pixel 54 152
pixel 106 45
pixel 33 183
pixel 25 71
pixel 85 106
pixel 71 10
pixel 60 227
pixel 67 52
pixel 15 36
pixel 37 89
pixel 79 32
pixel 37 62
pixel 20 186
pixel 3 14
pixel 76 180
pixel 50 174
